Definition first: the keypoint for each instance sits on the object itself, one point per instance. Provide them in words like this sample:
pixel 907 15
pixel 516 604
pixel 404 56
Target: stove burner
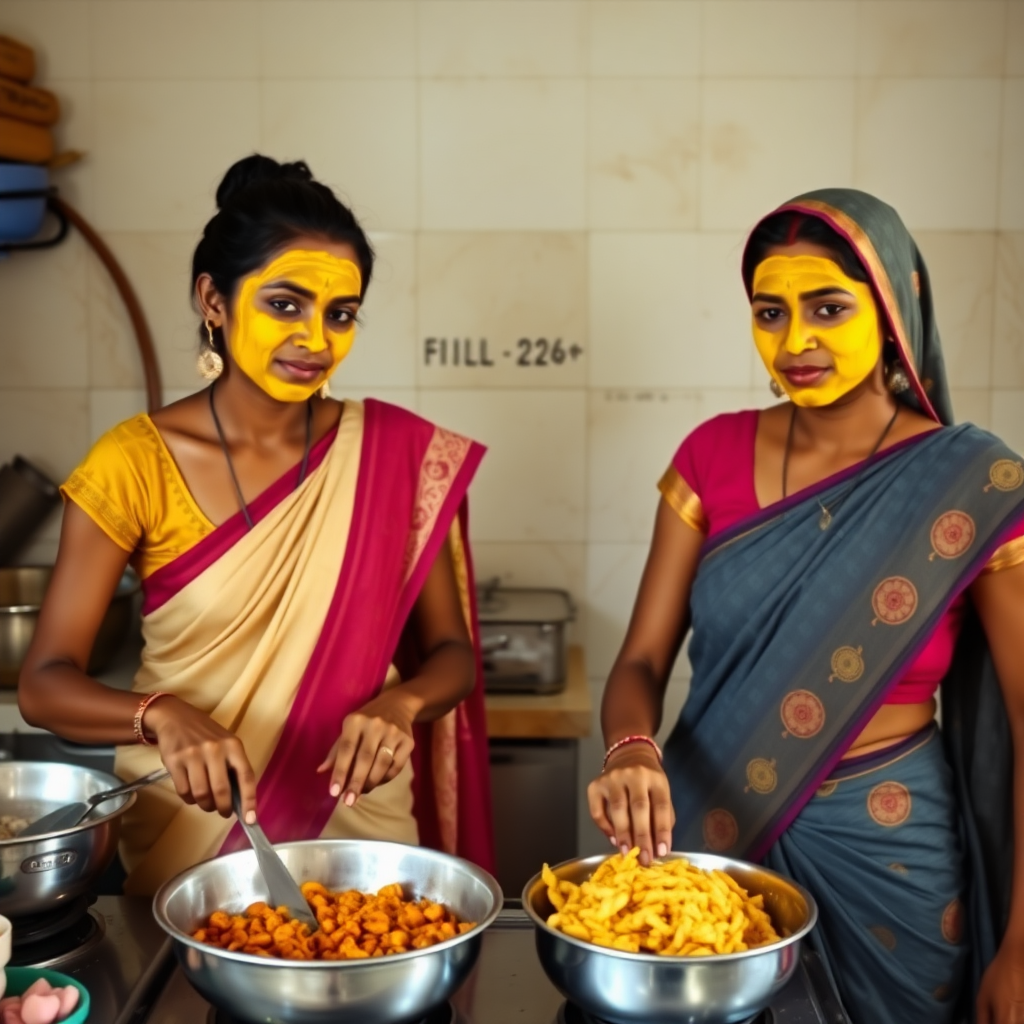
pixel 442 1015
pixel 570 1013
pixel 47 940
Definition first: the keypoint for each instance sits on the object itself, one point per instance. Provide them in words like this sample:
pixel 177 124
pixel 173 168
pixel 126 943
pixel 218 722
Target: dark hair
pixel 791 226
pixel 261 205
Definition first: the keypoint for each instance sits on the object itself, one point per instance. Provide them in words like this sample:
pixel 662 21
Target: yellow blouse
pixel 130 486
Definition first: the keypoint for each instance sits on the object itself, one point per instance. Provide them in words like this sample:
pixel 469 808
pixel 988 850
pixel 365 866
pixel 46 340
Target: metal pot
pixel 21 596
pixel 644 988
pixel 523 638
pixel 44 872
pixel 390 990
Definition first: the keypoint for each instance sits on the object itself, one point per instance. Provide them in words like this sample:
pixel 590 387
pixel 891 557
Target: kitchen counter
pixel 564 715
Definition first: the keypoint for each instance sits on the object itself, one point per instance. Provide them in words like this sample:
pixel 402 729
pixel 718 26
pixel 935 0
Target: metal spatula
pixel 72 814
pixel 283 889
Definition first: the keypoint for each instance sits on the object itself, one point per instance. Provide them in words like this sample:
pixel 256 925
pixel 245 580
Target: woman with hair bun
pixel 308 597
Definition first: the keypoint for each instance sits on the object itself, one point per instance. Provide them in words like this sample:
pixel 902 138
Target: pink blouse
pixel 717 462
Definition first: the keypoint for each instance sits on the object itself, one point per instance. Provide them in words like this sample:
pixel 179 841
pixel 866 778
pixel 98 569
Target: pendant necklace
pixel 825 520
pixel 231 467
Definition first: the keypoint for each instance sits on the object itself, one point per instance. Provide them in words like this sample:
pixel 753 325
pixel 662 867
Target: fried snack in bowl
pixel 353 926
pixel 671 908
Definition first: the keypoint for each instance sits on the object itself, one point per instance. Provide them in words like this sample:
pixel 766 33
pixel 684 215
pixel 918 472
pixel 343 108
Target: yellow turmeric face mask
pixel 805 305
pixel 293 322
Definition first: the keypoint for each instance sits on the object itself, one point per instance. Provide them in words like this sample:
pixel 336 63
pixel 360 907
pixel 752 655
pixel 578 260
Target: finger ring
pixel 388 751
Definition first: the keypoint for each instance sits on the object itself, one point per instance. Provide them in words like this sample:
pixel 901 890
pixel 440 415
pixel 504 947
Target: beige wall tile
pixel 372 169
pixel 58 30
pixel 904 156
pixel 384 353
pixel 644 141
pixel 176 39
pixel 155 169
pixel 44 334
pixel 159 266
pixel 531 484
pixel 499 288
pixel 340 39
pixel 1008 417
pixel 962 269
pixel 110 406
pixel 748 166
pixel 973 405
pixel 931 38
pixel 781 39
pixel 405 398
pixel 667 311
pixel 75 130
pixel 1015 38
pixel 1011 173
pixel 631 439
pixel 1008 361
pixel 502 39
pixel 505 155
pixel 48 426
pixel 562 566
pixel 644 38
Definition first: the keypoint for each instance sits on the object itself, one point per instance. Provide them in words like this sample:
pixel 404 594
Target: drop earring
pixel 210 364
pixel 896 380
pixel 776 388
pixel 324 391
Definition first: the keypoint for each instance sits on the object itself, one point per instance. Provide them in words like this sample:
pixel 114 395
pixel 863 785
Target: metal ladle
pixel 283 889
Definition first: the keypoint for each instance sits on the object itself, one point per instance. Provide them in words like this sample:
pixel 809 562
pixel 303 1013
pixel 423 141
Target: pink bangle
pixel 629 739
pixel 140 735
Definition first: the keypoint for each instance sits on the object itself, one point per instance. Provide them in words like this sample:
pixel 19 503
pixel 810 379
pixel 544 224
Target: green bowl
pixel 20 978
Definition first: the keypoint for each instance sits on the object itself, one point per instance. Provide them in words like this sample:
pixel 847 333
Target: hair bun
pixel 256 170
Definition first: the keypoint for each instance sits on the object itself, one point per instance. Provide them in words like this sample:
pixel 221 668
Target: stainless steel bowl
pixel 22 590
pixel 388 990
pixel 44 872
pixel 636 988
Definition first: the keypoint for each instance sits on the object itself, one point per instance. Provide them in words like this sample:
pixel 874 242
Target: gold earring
pixel 210 364
pixel 896 380
pixel 776 388
pixel 324 391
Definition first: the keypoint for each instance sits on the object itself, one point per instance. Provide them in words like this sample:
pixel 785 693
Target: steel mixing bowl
pixel 388 990
pixel 638 988
pixel 22 589
pixel 45 872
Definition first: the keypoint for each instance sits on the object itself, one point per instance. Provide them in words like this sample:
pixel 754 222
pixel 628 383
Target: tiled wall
pixel 575 169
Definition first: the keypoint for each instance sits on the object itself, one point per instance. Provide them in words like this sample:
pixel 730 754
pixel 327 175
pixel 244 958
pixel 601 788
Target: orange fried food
pixel 353 926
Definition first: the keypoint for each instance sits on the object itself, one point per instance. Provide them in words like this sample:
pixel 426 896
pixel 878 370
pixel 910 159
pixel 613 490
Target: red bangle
pixel 629 739
pixel 140 735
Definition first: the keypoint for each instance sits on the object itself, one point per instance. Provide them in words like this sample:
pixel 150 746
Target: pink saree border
pixel 160 586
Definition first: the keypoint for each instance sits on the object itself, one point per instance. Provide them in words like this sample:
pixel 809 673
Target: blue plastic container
pixel 21 219
pixel 20 978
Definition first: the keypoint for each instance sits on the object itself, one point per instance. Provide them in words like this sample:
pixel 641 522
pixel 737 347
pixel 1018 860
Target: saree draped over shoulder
pixel 800 632
pixel 280 632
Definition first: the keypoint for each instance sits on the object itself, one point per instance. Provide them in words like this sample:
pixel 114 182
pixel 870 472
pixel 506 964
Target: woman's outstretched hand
pixel 631 803
pixel 198 752
pixel 375 744
pixel 1001 994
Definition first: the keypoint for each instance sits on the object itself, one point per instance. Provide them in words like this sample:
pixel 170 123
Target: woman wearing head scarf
pixel 307 617
pixel 838 556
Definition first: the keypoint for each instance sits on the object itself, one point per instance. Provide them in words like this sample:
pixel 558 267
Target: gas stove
pixel 509 986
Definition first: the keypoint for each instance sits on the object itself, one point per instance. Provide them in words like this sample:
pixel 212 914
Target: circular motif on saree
pixel 847 664
pixel 942 993
pixel 894 600
pixel 889 804
pixel 900 869
pixel 952 534
pixel 720 830
pixel 826 789
pixel 803 714
pixel 953 922
pixel 761 775
pixel 884 936
pixel 436 469
pixel 1006 475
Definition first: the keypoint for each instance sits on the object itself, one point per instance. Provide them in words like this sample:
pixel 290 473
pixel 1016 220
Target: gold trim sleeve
pixel 1007 556
pixel 100 509
pixel 681 498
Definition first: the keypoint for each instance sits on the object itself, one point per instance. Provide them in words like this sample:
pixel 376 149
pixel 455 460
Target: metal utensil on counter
pixel 72 814
pixel 283 889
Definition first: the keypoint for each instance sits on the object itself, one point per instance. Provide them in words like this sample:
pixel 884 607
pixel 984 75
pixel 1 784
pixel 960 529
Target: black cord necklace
pixel 231 466
pixel 825 521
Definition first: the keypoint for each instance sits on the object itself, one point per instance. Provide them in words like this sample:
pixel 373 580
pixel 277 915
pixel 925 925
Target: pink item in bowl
pixel 40 1003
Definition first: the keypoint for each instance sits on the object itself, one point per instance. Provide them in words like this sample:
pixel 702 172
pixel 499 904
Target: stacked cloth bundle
pixel 26 113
